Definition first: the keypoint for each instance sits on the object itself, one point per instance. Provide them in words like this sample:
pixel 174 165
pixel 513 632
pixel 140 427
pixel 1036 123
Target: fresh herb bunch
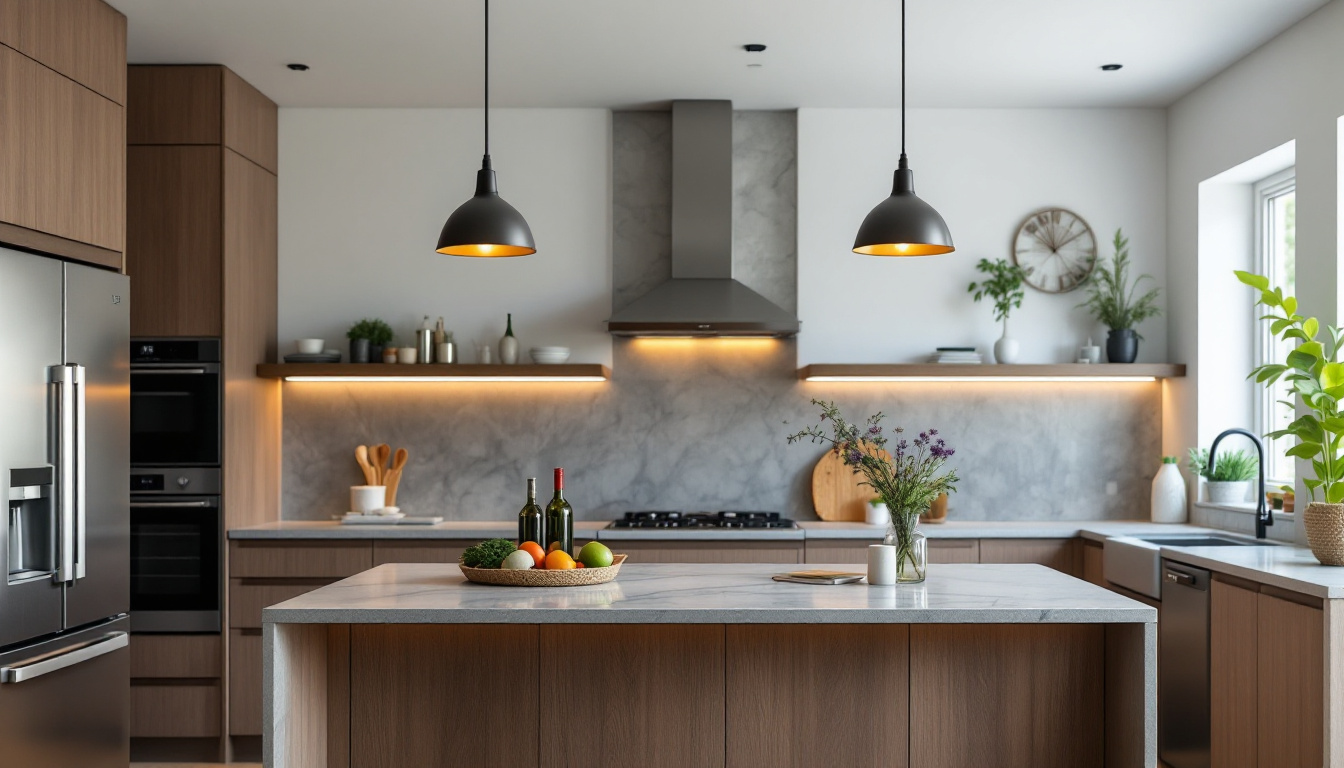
pixel 907 482
pixel 1112 300
pixel 1316 378
pixel 1004 286
pixel 1231 466
pixel 488 554
pixel 376 331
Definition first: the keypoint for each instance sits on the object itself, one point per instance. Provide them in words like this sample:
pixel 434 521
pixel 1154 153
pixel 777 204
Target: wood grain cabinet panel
pixel 174 246
pixel 661 702
pixel 174 104
pixel 463 694
pixel 1233 660
pixel 248 597
pixel 791 695
pixel 250 122
pixel 175 656
pixel 63 150
pixel 289 560
pixel 710 551
pixel 1060 554
pixel 1094 563
pixel 85 40
pixel 244 682
pixel 1290 684
pixel 175 711
pixel 856 552
pixel 968 684
pixel 418 551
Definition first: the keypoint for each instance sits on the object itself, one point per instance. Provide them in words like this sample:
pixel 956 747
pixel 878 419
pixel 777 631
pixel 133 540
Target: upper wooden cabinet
pixel 206 104
pixel 63 149
pixel 85 40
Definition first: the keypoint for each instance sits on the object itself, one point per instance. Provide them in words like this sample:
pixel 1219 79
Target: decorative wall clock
pixel 1056 249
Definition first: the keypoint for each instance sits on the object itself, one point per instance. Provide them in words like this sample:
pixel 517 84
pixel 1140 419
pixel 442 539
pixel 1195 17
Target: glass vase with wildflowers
pixel 908 480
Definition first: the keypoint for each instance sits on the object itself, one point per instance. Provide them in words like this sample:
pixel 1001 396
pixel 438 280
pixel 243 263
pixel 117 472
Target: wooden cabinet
pixel 856 552
pixel 175 656
pixel 245 682
pixel 271 559
pixel 175 686
pixel 84 40
pixel 641 551
pixel 1060 554
pixel 1266 666
pixel 1094 559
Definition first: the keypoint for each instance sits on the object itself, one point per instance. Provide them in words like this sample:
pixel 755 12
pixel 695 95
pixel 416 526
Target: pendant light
pixel 903 225
pixel 485 225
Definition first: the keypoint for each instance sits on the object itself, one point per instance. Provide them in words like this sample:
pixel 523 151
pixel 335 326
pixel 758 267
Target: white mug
pixel 881 564
pixel 367 499
pixel 406 355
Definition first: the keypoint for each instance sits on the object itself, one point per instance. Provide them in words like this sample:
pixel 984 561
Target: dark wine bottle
pixel 531 523
pixel 560 518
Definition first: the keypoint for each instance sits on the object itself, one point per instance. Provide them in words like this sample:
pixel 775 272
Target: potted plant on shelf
pixel 367 339
pixel 1315 377
pixel 1230 480
pixel 1112 302
pixel 1004 286
pixel 908 482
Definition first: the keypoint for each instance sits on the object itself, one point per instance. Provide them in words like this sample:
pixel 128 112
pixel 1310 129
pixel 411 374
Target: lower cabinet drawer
pixel 244 682
pixel 309 559
pixel 159 656
pixel 175 711
pixel 709 552
pixel 856 552
pixel 247 597
pixel 418 551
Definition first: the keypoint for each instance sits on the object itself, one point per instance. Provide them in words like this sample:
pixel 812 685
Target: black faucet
pixel 1263 517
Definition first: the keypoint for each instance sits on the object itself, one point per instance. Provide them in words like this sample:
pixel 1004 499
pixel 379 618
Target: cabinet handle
pixel 41 665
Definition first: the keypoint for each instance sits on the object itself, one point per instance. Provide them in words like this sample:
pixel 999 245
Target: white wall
pixel 364 193
pixel 985 171
pixel 1288 90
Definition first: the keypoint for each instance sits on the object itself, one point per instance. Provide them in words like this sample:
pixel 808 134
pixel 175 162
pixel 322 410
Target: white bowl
pixel 310 346
pixel 550 355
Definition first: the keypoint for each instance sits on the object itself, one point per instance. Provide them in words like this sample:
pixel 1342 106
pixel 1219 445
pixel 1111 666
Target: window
pixel 1275 238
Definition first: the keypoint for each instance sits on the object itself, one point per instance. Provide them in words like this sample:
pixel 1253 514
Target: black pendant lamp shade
pixel 903 225
pixel 486 226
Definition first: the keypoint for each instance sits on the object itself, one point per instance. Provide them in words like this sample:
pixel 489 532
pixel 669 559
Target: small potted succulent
pixel 1003 285
pixel 367 339
pixel 1230 480
pixel 1113 303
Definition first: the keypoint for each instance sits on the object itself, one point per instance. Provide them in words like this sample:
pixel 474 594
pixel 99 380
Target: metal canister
pixel 424 342
pixel 446 352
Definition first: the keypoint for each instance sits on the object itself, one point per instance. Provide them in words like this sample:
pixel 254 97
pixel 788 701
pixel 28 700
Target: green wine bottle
pixel 560 518
pixel 531 523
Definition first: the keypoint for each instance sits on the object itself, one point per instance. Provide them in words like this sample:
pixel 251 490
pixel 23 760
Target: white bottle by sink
pixel 1168 500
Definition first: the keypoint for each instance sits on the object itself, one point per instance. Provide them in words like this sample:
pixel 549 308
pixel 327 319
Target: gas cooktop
pixel 727 519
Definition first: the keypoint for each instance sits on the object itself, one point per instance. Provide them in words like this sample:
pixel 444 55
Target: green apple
pixel 595 555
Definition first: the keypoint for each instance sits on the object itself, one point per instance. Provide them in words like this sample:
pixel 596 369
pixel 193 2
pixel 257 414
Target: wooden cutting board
pixel 836 492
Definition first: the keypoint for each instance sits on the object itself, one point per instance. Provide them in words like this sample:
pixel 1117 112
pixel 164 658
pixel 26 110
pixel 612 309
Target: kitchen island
pixel 690 665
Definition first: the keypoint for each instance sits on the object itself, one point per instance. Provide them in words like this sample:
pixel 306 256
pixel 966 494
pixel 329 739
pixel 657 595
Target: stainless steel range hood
pixel 702 298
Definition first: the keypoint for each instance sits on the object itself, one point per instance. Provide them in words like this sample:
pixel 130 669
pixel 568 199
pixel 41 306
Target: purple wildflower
pixel 853 457
pixel 875 430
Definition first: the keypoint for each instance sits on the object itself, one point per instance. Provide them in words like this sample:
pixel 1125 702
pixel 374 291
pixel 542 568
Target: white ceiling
pixel 634 53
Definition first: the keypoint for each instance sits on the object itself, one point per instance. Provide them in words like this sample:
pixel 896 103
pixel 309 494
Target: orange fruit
pixel 559 560
pixel 534 549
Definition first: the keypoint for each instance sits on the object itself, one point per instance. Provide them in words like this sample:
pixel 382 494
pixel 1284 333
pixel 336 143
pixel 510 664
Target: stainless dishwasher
pixel 1183 672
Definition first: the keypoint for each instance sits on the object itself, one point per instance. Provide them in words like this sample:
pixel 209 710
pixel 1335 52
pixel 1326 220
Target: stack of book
pixel 820 577
pixel 957 355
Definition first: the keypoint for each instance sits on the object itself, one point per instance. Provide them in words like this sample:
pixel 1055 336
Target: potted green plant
pixel 1004 286
pixel 1230 480
pixel 367 339
pixel 1316 379
pixel 907 482
pixel 1112 302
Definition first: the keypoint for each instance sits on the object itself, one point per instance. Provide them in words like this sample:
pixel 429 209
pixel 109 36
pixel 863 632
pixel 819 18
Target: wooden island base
pixel 738 695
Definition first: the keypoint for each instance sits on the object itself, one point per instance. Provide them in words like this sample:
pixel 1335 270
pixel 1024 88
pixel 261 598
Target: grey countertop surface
pixel 1290 568
pixel 741 593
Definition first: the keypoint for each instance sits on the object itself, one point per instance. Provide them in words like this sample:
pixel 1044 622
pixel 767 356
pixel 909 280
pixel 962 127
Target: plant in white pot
pixel 1004 286
pixel 1315 377
pixel 1229 482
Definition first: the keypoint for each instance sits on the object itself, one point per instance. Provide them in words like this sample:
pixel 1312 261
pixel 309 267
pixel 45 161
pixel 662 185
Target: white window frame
pixel 1264 192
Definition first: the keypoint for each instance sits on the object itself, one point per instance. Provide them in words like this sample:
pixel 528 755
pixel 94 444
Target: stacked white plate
pixel 550 355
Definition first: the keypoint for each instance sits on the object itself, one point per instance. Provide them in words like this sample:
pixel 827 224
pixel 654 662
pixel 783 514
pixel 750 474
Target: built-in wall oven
pixel 177 524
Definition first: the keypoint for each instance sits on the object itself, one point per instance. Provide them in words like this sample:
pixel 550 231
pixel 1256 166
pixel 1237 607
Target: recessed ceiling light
pixel 298 67
pixel 1110 67
pixel 753 47
pixel 755 66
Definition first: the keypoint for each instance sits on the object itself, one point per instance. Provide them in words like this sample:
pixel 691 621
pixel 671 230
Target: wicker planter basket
pixel 1325 531
pixel 577 577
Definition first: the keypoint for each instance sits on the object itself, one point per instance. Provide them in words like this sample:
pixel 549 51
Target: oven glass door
pixel 175 415
pixel 175 547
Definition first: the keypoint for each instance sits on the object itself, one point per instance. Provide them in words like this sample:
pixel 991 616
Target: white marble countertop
pixel 713 594
pixel 454 529
pixel 991 529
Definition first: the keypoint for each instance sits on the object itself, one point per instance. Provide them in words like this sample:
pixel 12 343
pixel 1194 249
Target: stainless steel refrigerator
pixel 64 440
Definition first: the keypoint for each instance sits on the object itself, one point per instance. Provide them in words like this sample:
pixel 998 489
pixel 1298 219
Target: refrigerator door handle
pixel 81 487
pixel 31 668
pixel 63 458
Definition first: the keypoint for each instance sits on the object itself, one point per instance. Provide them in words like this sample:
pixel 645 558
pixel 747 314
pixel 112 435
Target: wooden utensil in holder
pixel 393 478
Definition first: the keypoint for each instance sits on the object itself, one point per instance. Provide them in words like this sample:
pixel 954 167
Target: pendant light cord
pixel 487 83
pixel 902 78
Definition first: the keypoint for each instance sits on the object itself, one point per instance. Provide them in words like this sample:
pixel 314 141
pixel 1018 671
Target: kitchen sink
pixel 1135 562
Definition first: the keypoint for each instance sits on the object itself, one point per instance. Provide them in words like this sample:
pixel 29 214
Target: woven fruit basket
pixel 532 577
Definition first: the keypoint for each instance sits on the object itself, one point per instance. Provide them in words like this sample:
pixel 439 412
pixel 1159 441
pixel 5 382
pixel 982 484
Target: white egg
pixel 518 560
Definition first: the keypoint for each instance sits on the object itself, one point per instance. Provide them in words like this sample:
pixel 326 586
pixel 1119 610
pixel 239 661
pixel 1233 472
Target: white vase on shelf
pixel 1168 499
pixel 1005 349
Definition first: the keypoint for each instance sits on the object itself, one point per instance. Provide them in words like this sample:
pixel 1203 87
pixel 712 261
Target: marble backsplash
pixel 700 425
